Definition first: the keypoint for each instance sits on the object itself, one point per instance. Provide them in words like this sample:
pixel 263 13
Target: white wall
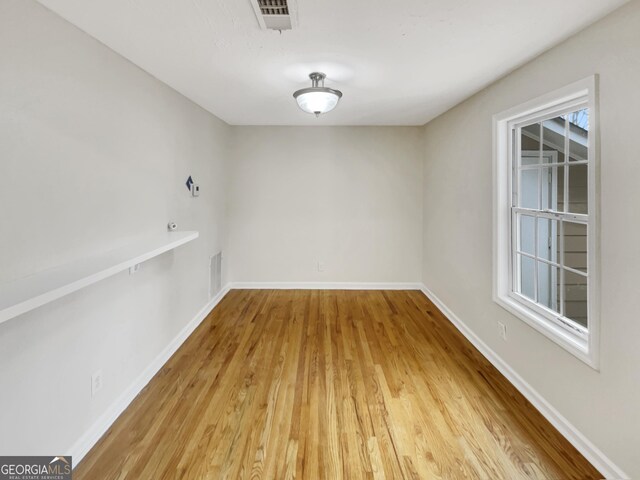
pixel 346 196
pixel 93 152
pixel 458 232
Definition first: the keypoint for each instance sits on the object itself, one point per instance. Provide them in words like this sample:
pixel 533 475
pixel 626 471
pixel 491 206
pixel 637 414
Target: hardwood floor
pixel 326 385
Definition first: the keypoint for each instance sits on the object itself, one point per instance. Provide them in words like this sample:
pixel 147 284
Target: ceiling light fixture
pixel 317 99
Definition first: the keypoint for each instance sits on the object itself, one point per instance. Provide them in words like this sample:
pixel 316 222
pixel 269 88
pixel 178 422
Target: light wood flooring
pixel 280 384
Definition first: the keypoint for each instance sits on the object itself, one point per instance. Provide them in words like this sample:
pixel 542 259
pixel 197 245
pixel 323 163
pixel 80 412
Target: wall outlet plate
pixel 502 331
pixel 96 382
pixel 195 189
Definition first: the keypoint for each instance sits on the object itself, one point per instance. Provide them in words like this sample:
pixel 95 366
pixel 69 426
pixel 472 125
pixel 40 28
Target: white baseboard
pixel 598 459
pixel 325 286
pixel 91 436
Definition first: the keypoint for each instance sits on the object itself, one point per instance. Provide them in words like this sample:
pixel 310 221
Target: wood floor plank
pixel 310 384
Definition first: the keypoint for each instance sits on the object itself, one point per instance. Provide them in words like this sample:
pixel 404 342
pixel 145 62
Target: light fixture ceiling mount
pixel 317 99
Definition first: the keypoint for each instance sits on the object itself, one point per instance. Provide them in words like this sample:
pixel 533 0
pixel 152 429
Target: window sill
pixel 577 345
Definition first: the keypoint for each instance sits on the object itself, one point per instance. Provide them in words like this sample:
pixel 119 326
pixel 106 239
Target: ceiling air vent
pixel 274 14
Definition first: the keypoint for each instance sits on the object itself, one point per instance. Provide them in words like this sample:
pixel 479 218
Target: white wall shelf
pixel 28 293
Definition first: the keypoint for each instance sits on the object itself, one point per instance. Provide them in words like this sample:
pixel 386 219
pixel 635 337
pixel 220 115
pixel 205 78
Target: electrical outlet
pixel 502 331
pixel 321 266
pixel 96 382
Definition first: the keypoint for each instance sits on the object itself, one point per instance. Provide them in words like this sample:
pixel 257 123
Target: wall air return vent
pixel 275 14
pixel 215 274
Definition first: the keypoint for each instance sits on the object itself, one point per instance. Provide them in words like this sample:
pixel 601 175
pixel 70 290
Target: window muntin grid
pixel 550 216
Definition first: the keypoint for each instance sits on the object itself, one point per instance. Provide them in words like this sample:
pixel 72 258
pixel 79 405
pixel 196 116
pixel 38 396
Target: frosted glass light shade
pixel 317 100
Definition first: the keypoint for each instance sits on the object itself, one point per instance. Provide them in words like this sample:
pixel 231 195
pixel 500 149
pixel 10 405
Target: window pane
pixel 574 242
pixel 530 144
pixel 579 125
pixel 547 239
pixel 553 188
pixel 553 140
pixel 527 272
pixel 529 188
pixel 575 297
pixel 527 234
pixel 529 157
pixel 578 189
pixel 548 286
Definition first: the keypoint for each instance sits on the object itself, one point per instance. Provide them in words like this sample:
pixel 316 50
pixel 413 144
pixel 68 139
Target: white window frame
pixel 584 344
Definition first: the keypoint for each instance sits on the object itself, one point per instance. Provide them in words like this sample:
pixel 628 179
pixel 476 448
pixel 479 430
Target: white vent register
pixel 215 274
pixel 275 14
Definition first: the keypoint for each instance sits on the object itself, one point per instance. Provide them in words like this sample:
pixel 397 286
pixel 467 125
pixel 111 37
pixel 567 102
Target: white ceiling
pixel 398 62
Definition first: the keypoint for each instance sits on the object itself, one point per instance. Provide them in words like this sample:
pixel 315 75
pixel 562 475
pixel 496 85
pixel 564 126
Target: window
pixel 545 216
